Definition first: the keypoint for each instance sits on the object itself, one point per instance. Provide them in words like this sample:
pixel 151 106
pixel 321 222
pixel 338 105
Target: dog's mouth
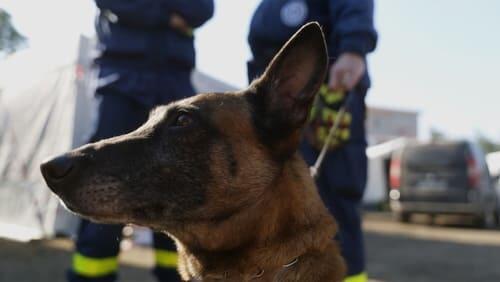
pixel 93 214
pixel 90 202
pixel 68 206
pixel 106 203
pixel 77 208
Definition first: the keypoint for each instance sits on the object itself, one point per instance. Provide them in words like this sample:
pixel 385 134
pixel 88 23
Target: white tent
pixel 46 107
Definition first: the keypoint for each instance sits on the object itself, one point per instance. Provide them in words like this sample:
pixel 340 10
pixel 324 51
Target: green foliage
pixel 10 38
pixel 437 135
pixel 487 144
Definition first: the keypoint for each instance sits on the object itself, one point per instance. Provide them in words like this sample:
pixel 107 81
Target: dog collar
pixel 290 264
pixel 259 274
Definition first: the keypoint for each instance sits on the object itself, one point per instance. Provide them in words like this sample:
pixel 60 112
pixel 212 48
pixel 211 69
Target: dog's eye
pixel 182 120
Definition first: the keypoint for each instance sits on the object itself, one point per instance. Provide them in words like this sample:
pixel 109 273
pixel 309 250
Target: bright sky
pixel 440 58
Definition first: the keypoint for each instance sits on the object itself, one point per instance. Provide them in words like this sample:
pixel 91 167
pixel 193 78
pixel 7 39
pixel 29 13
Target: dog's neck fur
pixel 307 227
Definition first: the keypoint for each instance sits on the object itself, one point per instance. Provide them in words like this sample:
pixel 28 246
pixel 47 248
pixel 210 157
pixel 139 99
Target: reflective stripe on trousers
pixel 94 267
pixel 97 267
pixel 166 259
pixel 361 277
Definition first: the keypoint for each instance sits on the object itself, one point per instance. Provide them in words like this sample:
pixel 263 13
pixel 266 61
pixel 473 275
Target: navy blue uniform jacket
pixel 141 56
pixel 139 31
pixel 348 26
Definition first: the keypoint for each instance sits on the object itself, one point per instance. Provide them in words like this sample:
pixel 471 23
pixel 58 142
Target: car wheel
pixel 432 219
pixel 402 217
pixel 497 217
pixel 488 220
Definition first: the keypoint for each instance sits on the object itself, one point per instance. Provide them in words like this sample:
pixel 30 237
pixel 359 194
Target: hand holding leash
pixel 346 72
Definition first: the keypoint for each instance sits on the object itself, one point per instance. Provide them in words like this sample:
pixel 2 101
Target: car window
pixel 440 155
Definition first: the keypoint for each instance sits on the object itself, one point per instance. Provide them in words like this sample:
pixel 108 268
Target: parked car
pixel 493 161
pixel 497 191
pixel 442 178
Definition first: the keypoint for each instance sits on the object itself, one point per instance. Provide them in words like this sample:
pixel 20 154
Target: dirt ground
pixel 395 253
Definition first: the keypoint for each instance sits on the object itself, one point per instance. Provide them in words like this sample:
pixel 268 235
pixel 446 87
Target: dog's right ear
pixel 283 95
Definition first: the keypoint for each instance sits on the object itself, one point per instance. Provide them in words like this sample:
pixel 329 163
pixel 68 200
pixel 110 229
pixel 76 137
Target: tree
pixel 437 135
pixel 10 38
pixel 486 144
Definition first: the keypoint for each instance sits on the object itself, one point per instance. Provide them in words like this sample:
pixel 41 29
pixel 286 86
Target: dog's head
pixel 201 158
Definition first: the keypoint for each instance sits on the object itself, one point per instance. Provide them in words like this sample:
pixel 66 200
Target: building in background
pixel 383 125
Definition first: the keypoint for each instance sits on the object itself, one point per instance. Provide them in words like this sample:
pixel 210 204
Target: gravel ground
pixel 403 259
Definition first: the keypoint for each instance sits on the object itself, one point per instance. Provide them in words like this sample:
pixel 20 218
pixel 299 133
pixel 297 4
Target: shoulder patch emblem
pixel 294 13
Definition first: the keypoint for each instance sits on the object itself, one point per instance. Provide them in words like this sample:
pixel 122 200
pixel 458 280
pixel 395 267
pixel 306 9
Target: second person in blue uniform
pixel 350 34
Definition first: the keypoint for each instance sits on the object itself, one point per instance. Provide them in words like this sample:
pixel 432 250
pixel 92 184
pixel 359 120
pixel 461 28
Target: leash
pixel 335 126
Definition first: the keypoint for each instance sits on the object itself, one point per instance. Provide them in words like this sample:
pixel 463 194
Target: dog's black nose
pixel 57 169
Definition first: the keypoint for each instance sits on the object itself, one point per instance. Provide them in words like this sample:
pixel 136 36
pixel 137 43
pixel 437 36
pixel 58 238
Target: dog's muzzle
pixel 58 170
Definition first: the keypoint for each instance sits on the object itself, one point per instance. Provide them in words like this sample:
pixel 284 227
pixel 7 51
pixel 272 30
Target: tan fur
pixel 283 217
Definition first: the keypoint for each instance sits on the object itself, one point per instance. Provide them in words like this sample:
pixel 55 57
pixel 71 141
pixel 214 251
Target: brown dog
pixel 220 174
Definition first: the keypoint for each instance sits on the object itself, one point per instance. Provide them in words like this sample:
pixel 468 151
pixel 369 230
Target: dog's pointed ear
pixel 285 92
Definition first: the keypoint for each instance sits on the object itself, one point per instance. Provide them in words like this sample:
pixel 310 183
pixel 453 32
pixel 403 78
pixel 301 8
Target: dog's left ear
pixel 284 93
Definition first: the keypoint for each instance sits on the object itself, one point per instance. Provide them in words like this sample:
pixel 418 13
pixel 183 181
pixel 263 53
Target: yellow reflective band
pixel 166 259
pixel 94 267
pixel 362 277
pixel 328 115
pixel 344 134
pixel 321 134
pixel 323 90
pixel 347 118
pixel 331 96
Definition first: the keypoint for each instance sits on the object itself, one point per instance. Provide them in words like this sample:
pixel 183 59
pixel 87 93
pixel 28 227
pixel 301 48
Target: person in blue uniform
pixel 146 58
pixel 350 36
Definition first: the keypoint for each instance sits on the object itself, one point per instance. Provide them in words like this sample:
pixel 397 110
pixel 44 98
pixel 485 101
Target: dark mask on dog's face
pixel 201 159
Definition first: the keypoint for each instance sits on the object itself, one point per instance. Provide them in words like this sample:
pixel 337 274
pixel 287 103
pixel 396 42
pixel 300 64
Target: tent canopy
pixel 47 107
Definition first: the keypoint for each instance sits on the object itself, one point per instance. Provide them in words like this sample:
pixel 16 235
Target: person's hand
pixel 346 72
pixel 178 23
